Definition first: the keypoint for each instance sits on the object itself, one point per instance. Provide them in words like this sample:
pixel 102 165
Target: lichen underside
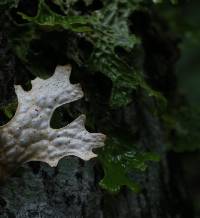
pixel 29 137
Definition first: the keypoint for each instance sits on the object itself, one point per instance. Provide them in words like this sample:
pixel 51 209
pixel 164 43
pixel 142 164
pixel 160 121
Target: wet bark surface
pixel 71 189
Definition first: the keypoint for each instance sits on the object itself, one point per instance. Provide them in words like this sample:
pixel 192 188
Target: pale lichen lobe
pixel 29 137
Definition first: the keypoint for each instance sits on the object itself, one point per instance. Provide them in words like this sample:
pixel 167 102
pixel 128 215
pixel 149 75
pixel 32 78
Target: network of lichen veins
pixel 29 137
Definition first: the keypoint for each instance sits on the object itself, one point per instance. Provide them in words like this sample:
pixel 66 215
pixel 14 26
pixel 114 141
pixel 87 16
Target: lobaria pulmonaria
pixel 29 137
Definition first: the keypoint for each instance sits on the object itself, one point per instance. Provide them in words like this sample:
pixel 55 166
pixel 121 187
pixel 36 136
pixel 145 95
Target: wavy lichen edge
pixel 29 137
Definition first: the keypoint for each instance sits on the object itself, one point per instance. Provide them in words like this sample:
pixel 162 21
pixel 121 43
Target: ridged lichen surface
pixel 29 137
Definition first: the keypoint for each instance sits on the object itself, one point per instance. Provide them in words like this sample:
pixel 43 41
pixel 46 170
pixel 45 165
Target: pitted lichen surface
pixel 29 137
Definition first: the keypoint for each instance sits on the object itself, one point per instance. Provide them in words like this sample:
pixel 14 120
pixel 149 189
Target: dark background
pixel 140 126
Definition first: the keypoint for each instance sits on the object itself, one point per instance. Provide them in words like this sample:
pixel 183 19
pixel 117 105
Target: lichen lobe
pixel 29 137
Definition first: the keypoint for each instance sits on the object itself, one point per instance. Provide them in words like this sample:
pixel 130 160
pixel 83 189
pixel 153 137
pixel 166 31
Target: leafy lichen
pixel 120 158
pixel 106 30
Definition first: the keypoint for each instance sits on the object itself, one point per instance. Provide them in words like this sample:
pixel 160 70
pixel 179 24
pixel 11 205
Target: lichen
pixel 29 137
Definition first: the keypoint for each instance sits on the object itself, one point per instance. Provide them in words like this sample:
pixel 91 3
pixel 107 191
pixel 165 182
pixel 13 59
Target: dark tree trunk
pixel 71 189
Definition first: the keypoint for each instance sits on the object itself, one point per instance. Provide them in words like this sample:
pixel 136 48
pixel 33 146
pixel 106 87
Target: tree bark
pixel 71 189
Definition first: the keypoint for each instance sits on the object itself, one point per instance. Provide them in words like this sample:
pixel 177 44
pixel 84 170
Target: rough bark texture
pixel 72 190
